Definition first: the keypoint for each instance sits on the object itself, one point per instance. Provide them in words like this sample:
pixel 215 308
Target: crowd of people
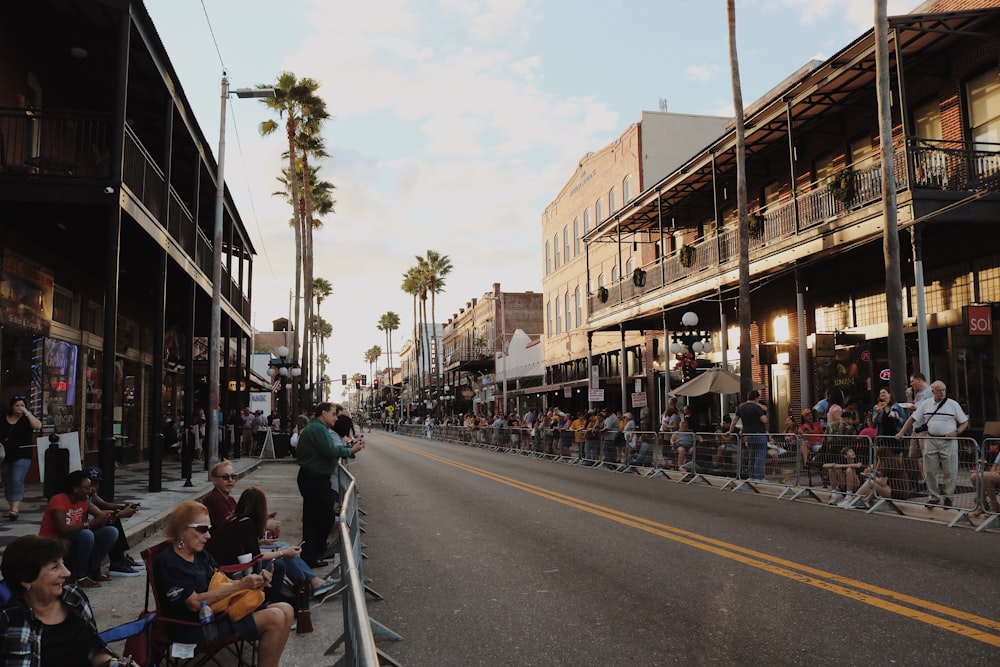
pixel 46 618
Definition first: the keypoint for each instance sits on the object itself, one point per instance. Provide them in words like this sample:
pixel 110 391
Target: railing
pixel 360 629
pixel 849 471
pixel 142 175
pixel 948 165
pixel 53 143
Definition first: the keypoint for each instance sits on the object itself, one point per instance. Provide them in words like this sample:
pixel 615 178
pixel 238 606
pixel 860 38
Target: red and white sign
pixel 884 374
pixel 595 395
pixel 639 400
pixel 980 320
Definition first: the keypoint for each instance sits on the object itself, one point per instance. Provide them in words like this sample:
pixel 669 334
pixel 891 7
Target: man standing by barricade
pixel 944 421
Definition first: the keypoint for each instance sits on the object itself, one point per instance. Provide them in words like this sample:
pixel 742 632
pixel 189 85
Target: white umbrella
pixel 712 381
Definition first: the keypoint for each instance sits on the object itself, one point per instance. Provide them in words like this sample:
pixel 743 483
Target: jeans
pixel 13 473
pixel 757 448
pixel 89 547
pixel 297 570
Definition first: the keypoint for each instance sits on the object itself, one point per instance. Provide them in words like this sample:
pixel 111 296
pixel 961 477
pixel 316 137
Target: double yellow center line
pixel 940 616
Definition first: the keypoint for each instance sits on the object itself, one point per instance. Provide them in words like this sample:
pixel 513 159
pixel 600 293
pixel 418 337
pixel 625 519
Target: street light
pixel 688 344
pixel 215 327
pixel 282 369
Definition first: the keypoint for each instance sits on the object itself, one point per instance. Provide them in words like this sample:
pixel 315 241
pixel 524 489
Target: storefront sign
pixel 980 319
pixel 567 392
pixel 25 294
pixel 639 400
pixel 595 395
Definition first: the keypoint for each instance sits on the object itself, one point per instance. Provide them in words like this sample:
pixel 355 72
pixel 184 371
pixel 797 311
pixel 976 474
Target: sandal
pixel 13 516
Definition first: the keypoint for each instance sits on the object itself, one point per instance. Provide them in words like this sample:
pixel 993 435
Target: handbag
pixel 237 604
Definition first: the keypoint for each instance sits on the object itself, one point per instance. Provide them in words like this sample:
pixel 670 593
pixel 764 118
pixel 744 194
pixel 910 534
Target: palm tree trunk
pixel 307 227
pixel 434 339
pixel 290 127
pixel 746 358
pixel 416 355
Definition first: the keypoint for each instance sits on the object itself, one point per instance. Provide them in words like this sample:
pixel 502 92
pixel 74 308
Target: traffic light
pixel 357 385
pixel 375 383
pixel 364 380
pixel 343 379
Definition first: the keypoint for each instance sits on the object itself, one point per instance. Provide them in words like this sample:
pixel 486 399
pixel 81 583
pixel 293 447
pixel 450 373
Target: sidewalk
pixel 131 484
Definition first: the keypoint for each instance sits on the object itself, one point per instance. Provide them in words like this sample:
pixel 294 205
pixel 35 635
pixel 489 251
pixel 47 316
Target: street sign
pixel 595 395
pixel 639 400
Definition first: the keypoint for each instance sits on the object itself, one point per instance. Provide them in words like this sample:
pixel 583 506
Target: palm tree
pixel 388 323
pixel 890 234
pixel 322 288
pixel 295 100
pixel 413 285
pixel 435 266
pixel 371 356
pixel 746 370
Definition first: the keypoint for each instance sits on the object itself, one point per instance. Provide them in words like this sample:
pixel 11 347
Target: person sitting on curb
pixel 88 540
pixel 122 565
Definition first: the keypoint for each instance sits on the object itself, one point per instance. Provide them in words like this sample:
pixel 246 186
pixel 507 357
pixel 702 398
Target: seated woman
pixel 684 441
pixel 182 573
pixel 88 531
pixel 642 454
pixel 47 622
pixel 990 480
pixel 242 532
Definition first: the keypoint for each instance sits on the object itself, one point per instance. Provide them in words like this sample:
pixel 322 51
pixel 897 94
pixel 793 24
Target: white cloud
pixel 700 73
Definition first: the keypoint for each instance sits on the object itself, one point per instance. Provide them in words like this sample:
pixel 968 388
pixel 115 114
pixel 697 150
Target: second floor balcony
pixel 783 231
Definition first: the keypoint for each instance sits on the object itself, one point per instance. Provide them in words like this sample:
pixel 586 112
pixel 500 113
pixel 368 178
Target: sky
pixel 454 123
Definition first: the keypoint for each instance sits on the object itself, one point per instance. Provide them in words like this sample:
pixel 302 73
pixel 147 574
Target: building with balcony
pixel 108 190
pixel 605 183
pixel 816 210
pixel 485 347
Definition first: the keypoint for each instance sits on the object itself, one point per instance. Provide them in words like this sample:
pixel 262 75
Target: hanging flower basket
pixel 686 255
pixel 602 294
pixel 842 185
pixel 639 278
pixel 756 225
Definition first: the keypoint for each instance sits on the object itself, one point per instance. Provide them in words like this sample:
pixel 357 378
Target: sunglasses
pixel 200 527
pixel 228 478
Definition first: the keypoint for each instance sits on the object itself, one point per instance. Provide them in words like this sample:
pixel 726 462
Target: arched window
pixel 548 316
pixel 612 201
pixel 614 274
pixel 576 236
pixel 548 258
pixel 555 249
pixel 627 189
pixel 558 317
pixel 566 243
pixel 630 266
pixel 578 302
pixel 600 280
pixel 598 211
pixel 586 220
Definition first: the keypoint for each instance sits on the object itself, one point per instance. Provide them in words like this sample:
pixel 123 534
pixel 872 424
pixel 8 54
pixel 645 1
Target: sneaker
pixel 132 563
pixel 947 502
pixel 933 501
pixel 87 582
pixel 834 498
pixel 100 577
pixel 846 502
pixel 321 591
pixel 122 570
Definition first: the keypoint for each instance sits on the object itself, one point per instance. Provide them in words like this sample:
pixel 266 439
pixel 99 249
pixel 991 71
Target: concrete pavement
pixel 122 598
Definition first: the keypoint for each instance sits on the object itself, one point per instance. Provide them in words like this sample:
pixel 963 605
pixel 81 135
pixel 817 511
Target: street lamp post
pixel 215 327
pixel 688 343
pixel 283 368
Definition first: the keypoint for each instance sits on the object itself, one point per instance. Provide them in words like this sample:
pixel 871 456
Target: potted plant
pixel 842 185
pixel 602 294
pixel 479 342
pixel 686 255
pixel 756 221
pixel 639 278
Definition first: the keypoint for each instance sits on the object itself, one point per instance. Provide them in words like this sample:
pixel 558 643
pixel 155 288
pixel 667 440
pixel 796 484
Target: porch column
pixel 800 307
pixel 156 386
pixel 916 238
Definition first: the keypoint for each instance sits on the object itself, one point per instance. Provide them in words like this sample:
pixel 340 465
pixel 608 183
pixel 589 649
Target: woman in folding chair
pixel 47 623
pixel 182 573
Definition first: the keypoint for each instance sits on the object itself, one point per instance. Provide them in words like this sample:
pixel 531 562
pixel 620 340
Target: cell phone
pixel 258 566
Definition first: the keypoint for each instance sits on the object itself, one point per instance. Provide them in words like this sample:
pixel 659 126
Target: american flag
pixel 276 387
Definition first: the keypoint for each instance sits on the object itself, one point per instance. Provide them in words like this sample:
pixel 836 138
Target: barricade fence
pixel 851 471
pixel 358 636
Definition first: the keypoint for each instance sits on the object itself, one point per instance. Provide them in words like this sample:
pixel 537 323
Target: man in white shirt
pixel 945 421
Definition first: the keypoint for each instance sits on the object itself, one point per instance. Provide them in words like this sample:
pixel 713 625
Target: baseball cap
pixel 94 473
pixel 807 411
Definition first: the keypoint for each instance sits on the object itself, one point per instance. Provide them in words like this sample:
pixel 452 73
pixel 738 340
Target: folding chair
pixel 205 653
pixel 137 636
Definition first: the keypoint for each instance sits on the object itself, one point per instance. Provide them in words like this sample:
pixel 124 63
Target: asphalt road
pixel 493 559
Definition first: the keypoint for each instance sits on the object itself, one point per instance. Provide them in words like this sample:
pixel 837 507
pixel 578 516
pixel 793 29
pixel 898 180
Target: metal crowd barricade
pixel 360 629
pixel 987 482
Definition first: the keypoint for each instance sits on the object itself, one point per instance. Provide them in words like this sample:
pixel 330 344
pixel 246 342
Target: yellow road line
pixel 853 589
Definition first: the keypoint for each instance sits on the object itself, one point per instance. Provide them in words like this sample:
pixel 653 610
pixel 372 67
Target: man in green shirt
pixel 317 456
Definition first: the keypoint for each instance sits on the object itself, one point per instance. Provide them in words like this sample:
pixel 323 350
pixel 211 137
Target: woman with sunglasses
pixel 47 622
pixel 16 437
pixel 182 573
